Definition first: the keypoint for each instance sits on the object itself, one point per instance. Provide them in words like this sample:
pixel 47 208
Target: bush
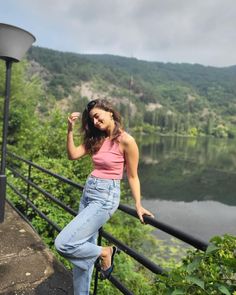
pixel 212 272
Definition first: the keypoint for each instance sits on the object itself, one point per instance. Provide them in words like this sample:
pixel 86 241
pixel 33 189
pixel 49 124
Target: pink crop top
pixel 108 161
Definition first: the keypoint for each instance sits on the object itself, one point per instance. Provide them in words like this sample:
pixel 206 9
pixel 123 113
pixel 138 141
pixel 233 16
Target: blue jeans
pixel 78 240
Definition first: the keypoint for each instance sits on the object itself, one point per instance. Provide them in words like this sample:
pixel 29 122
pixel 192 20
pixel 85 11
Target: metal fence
pixel 144 261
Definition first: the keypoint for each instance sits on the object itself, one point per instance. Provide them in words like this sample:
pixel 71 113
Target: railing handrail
pixel 62 178
pixel 169 229
pixel 187 238
pixel 45 193
pixel 183 236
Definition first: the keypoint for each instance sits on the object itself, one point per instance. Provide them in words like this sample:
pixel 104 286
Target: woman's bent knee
pixel 60 245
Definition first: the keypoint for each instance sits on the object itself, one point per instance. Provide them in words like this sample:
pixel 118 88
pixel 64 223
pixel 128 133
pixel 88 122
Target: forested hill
pixel 173 97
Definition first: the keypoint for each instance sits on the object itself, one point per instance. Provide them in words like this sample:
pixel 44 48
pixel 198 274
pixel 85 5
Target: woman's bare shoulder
pixel 126 139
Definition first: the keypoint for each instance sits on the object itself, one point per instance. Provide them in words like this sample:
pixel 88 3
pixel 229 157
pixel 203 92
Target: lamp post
pixel 14 43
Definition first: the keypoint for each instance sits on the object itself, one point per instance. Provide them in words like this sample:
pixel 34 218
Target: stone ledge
pixel 27 266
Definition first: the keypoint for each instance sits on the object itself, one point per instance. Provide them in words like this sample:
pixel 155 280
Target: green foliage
pixel 25 93
pixel 193 131
pixel 212 272
pixel 197 97
pixel 220 131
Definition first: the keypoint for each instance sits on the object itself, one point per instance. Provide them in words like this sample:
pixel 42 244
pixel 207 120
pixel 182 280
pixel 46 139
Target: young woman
pixel 111 149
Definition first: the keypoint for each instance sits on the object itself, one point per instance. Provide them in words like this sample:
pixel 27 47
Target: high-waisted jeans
pixel 78 240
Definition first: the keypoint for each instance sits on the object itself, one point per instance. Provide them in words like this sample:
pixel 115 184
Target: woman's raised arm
pixel 74 152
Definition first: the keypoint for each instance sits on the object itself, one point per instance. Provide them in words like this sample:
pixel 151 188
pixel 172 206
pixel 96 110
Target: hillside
pixel 180 98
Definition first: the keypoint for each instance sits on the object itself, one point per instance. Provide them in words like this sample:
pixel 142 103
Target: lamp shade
pixel 14 42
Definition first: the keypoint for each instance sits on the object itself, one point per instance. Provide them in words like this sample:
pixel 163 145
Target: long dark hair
pixel 93 137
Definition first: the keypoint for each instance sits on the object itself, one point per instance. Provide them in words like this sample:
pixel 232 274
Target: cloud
pixel 170 30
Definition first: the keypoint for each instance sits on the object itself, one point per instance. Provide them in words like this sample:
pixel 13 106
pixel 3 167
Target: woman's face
pixel 101 119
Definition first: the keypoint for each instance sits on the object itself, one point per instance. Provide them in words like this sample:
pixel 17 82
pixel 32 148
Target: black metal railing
pixel 147 263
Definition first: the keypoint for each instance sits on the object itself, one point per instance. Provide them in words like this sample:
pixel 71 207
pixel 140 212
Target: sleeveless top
pixel 109 161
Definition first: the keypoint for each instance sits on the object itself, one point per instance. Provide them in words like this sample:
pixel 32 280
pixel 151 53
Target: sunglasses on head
pixel 90 105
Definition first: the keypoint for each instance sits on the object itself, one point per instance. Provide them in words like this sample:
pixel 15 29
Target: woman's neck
pixel 110 129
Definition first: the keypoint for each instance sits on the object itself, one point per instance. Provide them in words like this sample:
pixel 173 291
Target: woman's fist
pixel 72 118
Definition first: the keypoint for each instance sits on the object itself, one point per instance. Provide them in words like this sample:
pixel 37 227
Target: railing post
pixel 3 181
pixel 28 186
pixel 96 273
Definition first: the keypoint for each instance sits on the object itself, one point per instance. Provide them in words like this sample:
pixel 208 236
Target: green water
pixel 188 169
pixel 190 182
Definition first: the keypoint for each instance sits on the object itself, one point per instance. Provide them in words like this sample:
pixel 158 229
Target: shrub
pixel 212 272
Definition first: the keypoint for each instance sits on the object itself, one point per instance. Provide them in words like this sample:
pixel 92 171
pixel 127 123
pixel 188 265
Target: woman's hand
pixel 72 119
pixel 141 211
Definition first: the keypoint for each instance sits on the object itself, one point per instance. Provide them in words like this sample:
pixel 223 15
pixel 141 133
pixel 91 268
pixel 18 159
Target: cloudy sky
pixel 189 31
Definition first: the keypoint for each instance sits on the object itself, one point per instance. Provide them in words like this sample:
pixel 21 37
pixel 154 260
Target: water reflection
pixel 188 169
pixel 202 219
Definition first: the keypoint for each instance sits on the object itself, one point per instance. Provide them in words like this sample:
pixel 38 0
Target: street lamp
pixel 14 42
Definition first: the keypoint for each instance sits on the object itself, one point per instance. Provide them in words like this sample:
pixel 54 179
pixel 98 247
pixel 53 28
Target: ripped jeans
pixel 78 240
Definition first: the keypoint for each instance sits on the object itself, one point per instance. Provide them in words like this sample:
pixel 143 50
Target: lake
pixel 190 183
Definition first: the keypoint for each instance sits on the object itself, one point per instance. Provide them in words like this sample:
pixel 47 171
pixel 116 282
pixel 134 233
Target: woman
pixel 110 148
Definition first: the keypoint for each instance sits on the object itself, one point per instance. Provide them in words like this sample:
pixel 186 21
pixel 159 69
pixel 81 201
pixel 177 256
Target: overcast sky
pixel 192 31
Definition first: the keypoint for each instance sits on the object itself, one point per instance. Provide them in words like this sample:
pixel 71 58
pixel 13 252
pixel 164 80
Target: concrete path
pixel 27 266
